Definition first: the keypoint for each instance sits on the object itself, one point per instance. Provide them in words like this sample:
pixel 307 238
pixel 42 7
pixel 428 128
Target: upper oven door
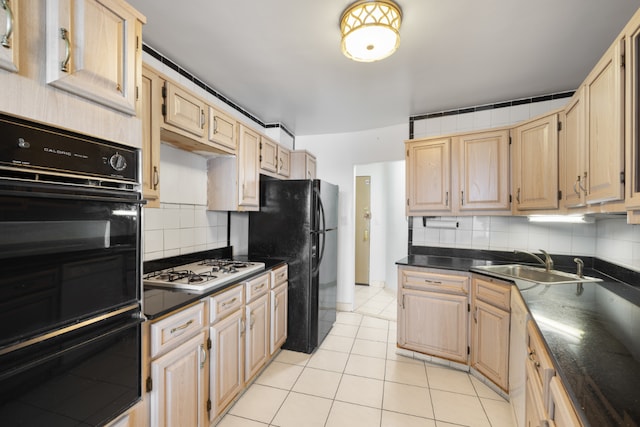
pixel 67 253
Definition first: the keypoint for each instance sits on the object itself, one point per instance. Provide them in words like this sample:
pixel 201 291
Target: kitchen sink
pixel 536 275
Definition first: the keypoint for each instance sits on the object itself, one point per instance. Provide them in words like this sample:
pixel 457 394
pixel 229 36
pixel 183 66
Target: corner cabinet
pixel 534 160
pixel 428 180
pixel 10 37
pixel 92 49
pixel 433 309
pixel 491 300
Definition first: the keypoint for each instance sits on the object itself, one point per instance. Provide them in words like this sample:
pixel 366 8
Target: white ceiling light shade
pixel 370 30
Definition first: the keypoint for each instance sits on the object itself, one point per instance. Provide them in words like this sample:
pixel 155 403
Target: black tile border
pixel 512 103
pixel 185 73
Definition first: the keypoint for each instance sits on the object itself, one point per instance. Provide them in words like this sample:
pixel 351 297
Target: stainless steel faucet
pixel 580 265
pixel 547 262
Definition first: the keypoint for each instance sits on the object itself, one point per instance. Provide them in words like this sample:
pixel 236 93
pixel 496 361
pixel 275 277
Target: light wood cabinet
pixel 222 130
pixel 184 110
pixel 573 153
pixel 604 102
pixel 303 165
pixel 561 412
pixel 150 103
pixel 248 176
pixel 268 155
pixel 428 180
pixel 632 116
pixel 91 50
pixel 490 329
pixel 257 336
pixel 227 361
pixel 534 160
pixel 433 310
pixel 10 35
pixel 279 301
pixel 483 170
pixel 535 414
pixel 284 162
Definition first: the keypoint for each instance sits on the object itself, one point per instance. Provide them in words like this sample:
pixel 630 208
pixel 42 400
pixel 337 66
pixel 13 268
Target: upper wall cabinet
pixel 184 110
pixel 428 176
pixel 9 39
pixel 632 118
pixel 483 170
pixel 573 153
pixel 275 160
pixel 604 102
pixel 303 165
pixel 91 50
pixel 534 160
pixel 222 129
pixel 150 104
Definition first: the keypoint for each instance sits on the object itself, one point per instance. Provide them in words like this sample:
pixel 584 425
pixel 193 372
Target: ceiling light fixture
pixel 370 30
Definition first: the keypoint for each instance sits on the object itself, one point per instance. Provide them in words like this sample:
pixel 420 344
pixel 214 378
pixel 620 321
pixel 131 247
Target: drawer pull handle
pixel 257 288
pixel 226 303
pixel 64 35
pixel 179 328
pixel 532 357
pixel 203 359
pixel 433 281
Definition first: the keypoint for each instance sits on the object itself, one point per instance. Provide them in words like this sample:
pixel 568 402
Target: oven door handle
pixel 65 196
pixel 33 363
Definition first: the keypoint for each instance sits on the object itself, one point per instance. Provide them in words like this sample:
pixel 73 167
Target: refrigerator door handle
pixel 321 233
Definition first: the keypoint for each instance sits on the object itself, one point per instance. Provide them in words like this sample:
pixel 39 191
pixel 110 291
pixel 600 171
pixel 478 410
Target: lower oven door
pixel 67 254
pixel 83 377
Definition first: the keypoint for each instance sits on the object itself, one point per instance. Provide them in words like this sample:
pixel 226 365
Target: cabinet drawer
pixel 539 359
pixel 176 329
pixel 257 287
pixel 431 281
pixel 225 303
pixel 492 291
pixel 279 276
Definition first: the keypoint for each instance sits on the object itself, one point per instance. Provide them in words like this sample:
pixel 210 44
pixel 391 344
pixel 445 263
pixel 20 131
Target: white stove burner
pixel 202 275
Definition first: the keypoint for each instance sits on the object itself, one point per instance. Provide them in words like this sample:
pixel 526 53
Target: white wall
pixel 337 155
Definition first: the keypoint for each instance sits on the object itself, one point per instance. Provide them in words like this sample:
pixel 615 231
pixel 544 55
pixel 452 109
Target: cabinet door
pixel 284 162
pixel 535 164
pixel 268 155
pixel 560 407
pixel 428 176
pixel 248 177
pixel 92 49
pixel 434 324
pixel 632 95
pixel 574 153
pixel 226 366
pixel 222 130
pixel 310 162
pixel 9 37
pixel 257 335
pixel 490 343
pixel 605 127
pixel 179 382
pixel 279 302
pixel 183 110
pixel 483 163
pixel 535 413
pixel 150 114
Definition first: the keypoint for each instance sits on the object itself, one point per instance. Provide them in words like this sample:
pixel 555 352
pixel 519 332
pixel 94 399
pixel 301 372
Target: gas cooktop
pixel 202 275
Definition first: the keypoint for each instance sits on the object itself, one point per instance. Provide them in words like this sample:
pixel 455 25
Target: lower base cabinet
pixel 226 366
pixel 257 333
pixel 178 397
pixel 279 301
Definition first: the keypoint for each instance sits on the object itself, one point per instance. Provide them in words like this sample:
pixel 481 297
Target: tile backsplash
pixel 611 239
pixel 176 229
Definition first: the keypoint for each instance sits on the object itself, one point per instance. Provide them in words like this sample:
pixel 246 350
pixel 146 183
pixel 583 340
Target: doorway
pixel 363 229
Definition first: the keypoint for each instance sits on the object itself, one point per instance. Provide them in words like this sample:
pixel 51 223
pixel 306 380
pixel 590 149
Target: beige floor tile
pixel 370 348
pixel 318 382
pixel 372 334
pixel 393 336
pixel 365 366
pixel 407 399
pixel 445 424
pixel 349 415
pixel 259 403
pixel 293 357
pixel 373 322
pixel 361 391
pixel 499 412
pixel 483 390
pixel 301 410
pixel 394 419
pixel 344 330
pixel 233 421
pixel 348 318
pixel 448 406
pixel 450 380
pixel 373 307
pixel 406 373
pixel 280 375
pixel 337 343
pixel 328 360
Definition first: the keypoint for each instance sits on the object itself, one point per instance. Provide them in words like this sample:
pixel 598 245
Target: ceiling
pixel 281 60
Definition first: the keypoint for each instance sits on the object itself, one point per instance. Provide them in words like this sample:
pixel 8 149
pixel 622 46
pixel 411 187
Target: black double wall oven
pixel 70 286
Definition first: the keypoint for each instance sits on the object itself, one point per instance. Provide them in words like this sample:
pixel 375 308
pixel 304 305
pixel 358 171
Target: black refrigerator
pixel 298 222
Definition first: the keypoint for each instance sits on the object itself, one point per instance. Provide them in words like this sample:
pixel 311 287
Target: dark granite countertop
pixel 159 301
pixel 592 334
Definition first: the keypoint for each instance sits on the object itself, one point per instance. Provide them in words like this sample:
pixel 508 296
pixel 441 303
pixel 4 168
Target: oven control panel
pixel 34 146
